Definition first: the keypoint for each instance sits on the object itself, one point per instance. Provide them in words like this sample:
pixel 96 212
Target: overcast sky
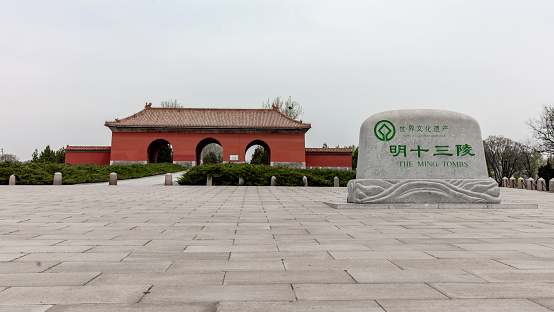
pixel 66 67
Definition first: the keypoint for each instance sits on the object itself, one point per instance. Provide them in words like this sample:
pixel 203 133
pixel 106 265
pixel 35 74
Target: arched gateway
pixel 137 139
pixel 180 134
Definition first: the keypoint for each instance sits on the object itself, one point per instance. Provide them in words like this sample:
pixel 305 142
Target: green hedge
pixel 228 174
pixel 43 173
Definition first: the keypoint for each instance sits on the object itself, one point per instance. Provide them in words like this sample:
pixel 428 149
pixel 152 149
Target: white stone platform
pixel 344 205
pixel 177 248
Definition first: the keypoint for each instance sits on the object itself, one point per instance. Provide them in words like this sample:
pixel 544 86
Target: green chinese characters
pixel 439 150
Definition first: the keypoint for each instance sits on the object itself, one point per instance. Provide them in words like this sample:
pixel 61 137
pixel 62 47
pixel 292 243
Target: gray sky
pixel 68 66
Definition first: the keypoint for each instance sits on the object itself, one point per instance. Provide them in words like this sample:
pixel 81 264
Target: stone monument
pixel 421 156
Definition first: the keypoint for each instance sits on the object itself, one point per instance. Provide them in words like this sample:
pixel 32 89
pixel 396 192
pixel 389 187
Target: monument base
pixel 423 191
pixel 430 206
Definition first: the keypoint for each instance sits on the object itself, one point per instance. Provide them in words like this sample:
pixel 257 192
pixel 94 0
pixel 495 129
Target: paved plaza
pixel 230 249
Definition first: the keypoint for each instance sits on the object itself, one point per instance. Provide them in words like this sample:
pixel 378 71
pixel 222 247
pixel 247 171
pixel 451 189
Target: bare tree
pixel 288 108
pixel 10 157
pixel 171 104
pixel 543 128
pixel 502 156
pixel 531 159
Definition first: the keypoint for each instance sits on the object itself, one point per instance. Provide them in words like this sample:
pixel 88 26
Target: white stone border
pixel 430 206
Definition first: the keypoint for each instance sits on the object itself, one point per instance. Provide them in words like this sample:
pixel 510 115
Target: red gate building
pixel 138 138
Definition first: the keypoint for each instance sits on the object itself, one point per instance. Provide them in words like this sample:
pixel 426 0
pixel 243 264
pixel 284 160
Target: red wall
pixel 133 146
pixel 88 157
pixel 328 160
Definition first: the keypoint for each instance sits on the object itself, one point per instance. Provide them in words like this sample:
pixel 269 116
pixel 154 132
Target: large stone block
pixel 421 156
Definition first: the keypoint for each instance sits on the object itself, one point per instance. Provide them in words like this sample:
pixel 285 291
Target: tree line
pixel 531 159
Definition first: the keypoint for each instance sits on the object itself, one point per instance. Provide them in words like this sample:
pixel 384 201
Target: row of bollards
pixel 169 180
pixel 112 181
pixel 273 181
pixel 530 184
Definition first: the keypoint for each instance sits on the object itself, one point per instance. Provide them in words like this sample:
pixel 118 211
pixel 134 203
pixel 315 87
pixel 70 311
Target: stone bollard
pixel 336 182
pixel 209 181
pixel 541 185
pixel 241 181
pixel 168 179
pixel 113 178
pixel 531 184
pixel 513 182
pixel 305 181
pixel 551 185
pixel 12 179
pixel 57 178
pixel 521 183
pixel 505 182
pixel 273 181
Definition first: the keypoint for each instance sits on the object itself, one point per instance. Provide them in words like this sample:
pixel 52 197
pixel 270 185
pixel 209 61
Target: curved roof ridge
pixel 187 117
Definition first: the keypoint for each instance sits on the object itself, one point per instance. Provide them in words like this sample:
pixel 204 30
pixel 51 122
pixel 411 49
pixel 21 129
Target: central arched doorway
pixel 257 152
pixel 160 151
pixel 209 151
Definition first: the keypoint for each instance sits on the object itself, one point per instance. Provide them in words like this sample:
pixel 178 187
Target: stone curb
pixel 430 206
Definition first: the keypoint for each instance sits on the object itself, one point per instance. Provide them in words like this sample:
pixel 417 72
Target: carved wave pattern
pixel 423 191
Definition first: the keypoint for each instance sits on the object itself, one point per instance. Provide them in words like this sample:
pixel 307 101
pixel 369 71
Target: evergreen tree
pixel 165 154
pixel 210 158
pixel 49 156
pixel 260 156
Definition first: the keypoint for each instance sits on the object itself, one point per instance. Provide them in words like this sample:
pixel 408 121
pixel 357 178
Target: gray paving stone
pixel 288 277
pixel 4 257
pixel 320 247
pixel 318 292
pixel 485 254
pixel 75 257
pixel 496 290
pixel 547 303
pixel 436 264
pixel 224 265
pixel 205 293
pixel 114 267
pixel 26 308
pixel 239 255
pixel 320 265
pixel 104 242
pixel 139 307
pixel 462 305
pixel 528 264
pixel 233 248
pixel 396 254
pixel 300 306
pixel 175 256
pixel 414 276
pixel 46 279
pixel 517 247
pixel 43 249
pixel 405 247
pixel 173 278
pixel 515 275
pixel 73 294
pixel 26 267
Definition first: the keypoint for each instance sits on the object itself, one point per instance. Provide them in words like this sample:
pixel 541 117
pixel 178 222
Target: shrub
pixel 228 174
pixel 43 173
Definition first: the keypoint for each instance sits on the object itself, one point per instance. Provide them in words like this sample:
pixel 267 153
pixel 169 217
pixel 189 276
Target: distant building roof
pixel 195 118
pixel 329 150
pixel 88 148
